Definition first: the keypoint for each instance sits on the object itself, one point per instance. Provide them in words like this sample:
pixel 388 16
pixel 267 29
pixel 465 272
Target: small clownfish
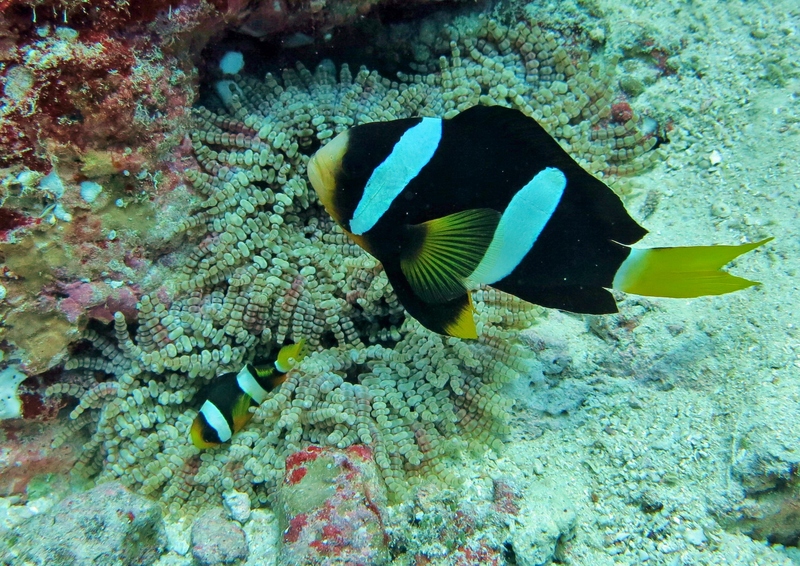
pixel 225 410
pixel 488 197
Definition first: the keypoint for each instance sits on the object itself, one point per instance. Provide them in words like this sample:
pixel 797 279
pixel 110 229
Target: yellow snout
pixel 323 167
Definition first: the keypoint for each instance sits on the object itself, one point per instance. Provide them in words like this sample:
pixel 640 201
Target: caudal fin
pixel 682 272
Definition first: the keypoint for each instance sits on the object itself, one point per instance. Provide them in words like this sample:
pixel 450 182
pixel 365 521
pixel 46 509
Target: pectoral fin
pixel 439 255
pixel 241 412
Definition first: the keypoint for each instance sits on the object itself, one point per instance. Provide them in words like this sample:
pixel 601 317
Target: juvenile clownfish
pixel 488 197
pixel 225 410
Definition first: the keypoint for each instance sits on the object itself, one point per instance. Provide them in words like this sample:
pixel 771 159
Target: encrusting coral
pixel 271 266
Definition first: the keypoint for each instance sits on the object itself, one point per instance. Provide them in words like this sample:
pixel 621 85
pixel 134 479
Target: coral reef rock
pixel 217 540
pixel 105 525
pixel 446 527
pixel 767 465
pixel 263 537
pixel 93 112
pixel 237 504
pixel 27 453
pixel 333 504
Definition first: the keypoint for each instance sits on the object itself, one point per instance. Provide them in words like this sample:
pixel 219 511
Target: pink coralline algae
pixel 98 300
pixel 83 90
pixel 333 504
pixel 621 112
pixel 26 453
pixel 91 91
pixel 11 220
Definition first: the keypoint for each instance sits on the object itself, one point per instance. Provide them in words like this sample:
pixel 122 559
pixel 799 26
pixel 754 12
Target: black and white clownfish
pixel 488 197
pixel 225 409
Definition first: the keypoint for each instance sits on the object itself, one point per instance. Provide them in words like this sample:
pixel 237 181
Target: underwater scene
pixel 386 282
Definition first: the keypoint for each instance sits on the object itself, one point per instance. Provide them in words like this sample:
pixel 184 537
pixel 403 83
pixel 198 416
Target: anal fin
pixel 571 298
pixel 451 318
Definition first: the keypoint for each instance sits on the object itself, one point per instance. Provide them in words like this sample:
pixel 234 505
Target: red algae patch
pixel 333 506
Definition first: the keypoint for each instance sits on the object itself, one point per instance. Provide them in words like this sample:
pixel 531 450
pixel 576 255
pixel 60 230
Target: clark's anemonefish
pixel 226 408
pixel 488 197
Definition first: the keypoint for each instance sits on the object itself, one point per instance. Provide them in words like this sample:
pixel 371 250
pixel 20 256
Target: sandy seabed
pixel 665 411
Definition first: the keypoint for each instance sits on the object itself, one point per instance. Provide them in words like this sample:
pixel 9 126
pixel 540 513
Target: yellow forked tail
pixel 682 272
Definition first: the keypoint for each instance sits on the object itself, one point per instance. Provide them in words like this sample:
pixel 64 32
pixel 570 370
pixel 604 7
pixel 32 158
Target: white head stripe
pixel 216 420
pixel 410 154
pixel 247 382
pixel 523 220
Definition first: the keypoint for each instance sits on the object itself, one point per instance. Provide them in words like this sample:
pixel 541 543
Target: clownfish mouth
pixel 314 174
pixel 323 167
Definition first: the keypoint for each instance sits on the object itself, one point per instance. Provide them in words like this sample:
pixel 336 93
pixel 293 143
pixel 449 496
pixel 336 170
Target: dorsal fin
pixel 510 121
pixel 514 131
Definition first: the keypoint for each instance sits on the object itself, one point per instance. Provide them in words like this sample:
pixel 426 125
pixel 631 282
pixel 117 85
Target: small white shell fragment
pixel 61 213
pixel 90 191
pixel 715 158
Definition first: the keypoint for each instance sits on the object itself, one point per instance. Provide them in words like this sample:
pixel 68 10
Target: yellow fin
pixel 196 435
pixel 682 272
pixel 290 356
pixel 241 412
pixel 443 252
pixel 464 325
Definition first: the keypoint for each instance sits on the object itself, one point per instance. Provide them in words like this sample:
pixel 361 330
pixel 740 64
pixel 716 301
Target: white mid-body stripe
pixel 247 382
pixel 523 220
pixel 216 420
pixel 410 154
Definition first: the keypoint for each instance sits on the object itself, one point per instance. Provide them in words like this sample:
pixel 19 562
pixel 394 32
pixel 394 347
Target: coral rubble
pixel 271 266
pixel 105 525
pixel 217 540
